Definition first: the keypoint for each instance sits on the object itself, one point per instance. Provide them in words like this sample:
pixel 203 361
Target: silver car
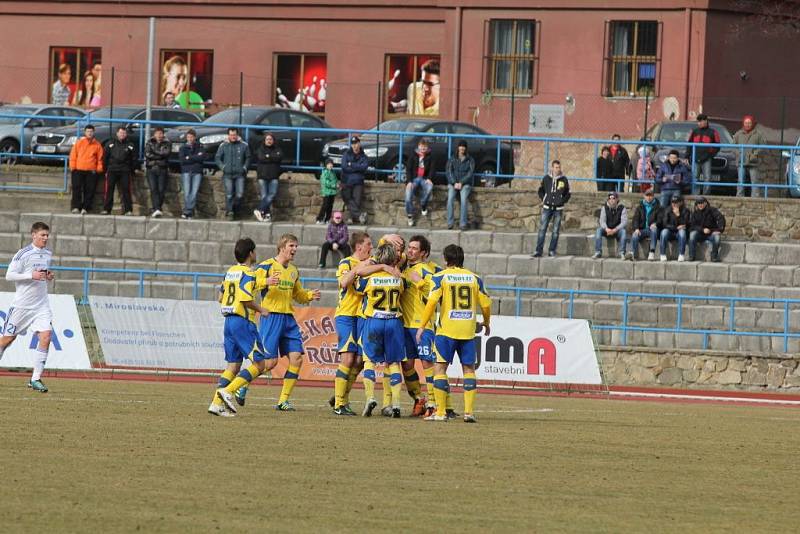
pixel 16 133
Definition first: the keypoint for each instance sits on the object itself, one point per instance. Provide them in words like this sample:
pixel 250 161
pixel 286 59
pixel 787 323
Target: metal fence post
pixel 625 318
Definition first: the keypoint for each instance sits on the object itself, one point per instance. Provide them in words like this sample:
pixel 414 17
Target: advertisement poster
pixel 188 75
pixel 412 84
pixel 301 82
pixel 75 76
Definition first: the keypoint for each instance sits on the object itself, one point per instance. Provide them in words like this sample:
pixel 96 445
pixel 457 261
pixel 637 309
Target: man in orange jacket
pixel 85 162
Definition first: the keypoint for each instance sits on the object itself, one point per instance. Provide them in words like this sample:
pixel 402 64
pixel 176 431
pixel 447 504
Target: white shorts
pixel 19 320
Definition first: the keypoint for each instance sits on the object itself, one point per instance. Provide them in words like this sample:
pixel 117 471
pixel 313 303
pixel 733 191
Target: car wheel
pixel 9 146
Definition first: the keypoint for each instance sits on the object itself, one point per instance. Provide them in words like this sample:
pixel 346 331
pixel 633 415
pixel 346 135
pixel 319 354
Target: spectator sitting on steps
pixel 336 238
pixel 674 224
pixel 705 224
pixel 613 221
pixel 644 225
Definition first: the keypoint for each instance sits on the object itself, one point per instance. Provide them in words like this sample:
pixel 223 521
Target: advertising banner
pixel 67 346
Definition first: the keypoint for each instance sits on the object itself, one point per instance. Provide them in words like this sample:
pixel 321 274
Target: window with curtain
pixel 632 58
pixel 512 56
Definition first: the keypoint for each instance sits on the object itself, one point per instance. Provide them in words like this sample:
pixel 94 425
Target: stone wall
pixel 700 369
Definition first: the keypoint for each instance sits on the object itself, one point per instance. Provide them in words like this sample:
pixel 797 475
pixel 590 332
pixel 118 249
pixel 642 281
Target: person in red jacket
pixel 702 155
pixel 85 162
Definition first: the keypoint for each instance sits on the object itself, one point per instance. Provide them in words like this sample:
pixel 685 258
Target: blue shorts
pixel 347 329
pixel 445 348
pixel 280 335
pixel 381 340
pixel 241 340
pixel 421 350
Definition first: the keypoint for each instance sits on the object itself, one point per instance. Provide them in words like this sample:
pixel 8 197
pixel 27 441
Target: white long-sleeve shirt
pixel 31 294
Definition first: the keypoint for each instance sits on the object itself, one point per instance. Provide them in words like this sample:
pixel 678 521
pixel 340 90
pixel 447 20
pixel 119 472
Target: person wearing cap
pixel 644 224
pixel 354 166
pixel 419 175
pixel 702 155
pixel 460 173
pixel 705 224
pixel 329 186
pixel 336 238
pixel 613 221
pixel 673 176
pixel 750 134
pixel 674 223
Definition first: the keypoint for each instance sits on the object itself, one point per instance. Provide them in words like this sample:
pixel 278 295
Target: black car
pixel 383 150
pixel 61 140
pixel 260 121
pixel 724 166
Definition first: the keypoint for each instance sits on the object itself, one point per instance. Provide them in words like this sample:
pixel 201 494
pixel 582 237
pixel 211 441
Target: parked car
pixel 60 140
pixel 17 133
pixel 264 119
pixel 792 158
pixel 724 166
pixel 383 150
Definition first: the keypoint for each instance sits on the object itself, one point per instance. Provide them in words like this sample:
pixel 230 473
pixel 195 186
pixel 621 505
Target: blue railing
pixel 501 142
pixel 627 297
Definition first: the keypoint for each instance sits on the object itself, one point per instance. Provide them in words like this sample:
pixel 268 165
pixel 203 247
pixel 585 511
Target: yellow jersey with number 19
pixel 460 293
pixel 381 292
pixel 238 287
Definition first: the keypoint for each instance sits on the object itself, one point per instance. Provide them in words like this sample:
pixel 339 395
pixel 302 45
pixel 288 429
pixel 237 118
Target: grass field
pixel 135 456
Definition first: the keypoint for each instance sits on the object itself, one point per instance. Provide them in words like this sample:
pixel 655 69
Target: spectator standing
pixel 233 159
pixel 85 162
pixel 554 194
pixel 120 163
pixel 673 176
pixel 613 223
pixel 354 165
pixel 605 169
pixel 169 100
pixel 268 170
pixel 644 224
pixel 336 238
pixel 460 173
pixel 674 224
pixel 191 156
pixel 329 186
pixel 156 153
pixel 706 224
pixel 750 134
pixel 620 162
pixel 702 155
pixel 419 174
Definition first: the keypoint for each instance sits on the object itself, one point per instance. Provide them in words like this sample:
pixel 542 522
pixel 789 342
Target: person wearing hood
pixel 419 174
pixel 673 176
pixel 644 225
pixel 750 134
pixel 613 221
pixel 705 224
pixel 460 180
pixel 674 225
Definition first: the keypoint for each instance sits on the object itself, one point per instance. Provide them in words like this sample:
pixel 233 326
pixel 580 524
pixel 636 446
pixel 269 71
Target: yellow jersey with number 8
pixel 238 287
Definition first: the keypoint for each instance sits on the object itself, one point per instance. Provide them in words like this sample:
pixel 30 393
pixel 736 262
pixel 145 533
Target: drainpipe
pixel 687 44
pixel 457 65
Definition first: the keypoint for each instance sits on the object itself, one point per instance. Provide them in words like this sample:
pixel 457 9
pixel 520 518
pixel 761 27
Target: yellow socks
pixel 441 388
pixel 340 385
pixel 351 379
pixel 369 379
pixel 289 380
pixel 412 382
pixel 396 383
pixel 429 391
pixel 244 377
pixel 470 391
pixel 224 379
pixel 387 389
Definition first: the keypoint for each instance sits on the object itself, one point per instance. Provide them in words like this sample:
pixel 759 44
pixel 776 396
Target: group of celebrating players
pixel 387 301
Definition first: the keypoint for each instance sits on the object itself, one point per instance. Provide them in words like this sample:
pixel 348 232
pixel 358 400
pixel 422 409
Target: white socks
pixel 39 358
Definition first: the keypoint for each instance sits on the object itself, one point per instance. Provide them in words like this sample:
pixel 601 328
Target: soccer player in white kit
pixel 30 310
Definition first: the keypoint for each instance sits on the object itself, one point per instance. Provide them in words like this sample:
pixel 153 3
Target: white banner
pixel 530 349
pixel 174 334
pixel 67 346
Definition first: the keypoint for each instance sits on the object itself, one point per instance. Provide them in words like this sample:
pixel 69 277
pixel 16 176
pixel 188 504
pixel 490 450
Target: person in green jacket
pixel 329 185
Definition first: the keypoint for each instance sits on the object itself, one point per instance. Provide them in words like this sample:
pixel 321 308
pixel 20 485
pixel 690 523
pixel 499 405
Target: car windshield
pixel 680 132
pixel 14 110
pixel 231 116
pixel 402 126
pixel 119 113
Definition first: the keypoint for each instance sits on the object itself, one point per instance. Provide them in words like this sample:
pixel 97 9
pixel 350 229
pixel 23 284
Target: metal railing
pixel 626 325
pixel 501 142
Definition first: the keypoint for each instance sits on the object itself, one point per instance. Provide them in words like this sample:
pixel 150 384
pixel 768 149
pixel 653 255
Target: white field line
pixel 704 397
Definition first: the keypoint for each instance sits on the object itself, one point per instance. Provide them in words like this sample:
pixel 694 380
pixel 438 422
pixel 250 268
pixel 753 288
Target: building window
pixel 632 58
pixel 301 82
pixel 75 74
pixel 512 57
pixel 188 75
pixel 412 84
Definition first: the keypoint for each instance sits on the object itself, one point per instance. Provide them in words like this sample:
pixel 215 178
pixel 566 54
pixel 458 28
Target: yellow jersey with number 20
pixel 381 292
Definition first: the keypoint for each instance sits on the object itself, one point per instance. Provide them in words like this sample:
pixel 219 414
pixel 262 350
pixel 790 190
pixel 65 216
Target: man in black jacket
pixel 268 169
pixel 644 224
pixel 706 224
pixel 419 174
pixel 702 155
pixel 156 153
pixel 620 163
pixel 119 162
pixel 674 224
pixel 554 194
pixel 604 168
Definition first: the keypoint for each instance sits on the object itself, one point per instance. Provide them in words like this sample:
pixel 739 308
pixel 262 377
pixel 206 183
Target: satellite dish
pixel 671 108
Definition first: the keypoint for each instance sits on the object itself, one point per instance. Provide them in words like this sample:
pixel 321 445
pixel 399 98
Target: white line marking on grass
pixel 704 397
pixel 522 410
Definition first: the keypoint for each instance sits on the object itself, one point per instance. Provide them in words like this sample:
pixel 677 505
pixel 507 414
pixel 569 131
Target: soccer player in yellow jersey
pixel 418 272
pixel 381 337
pixel 460 293
pixel 237 301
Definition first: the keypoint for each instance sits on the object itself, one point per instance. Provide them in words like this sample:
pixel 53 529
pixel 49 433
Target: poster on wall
pixel 187 75
pixel 412 84
pixel 75 76
pixel 301 82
